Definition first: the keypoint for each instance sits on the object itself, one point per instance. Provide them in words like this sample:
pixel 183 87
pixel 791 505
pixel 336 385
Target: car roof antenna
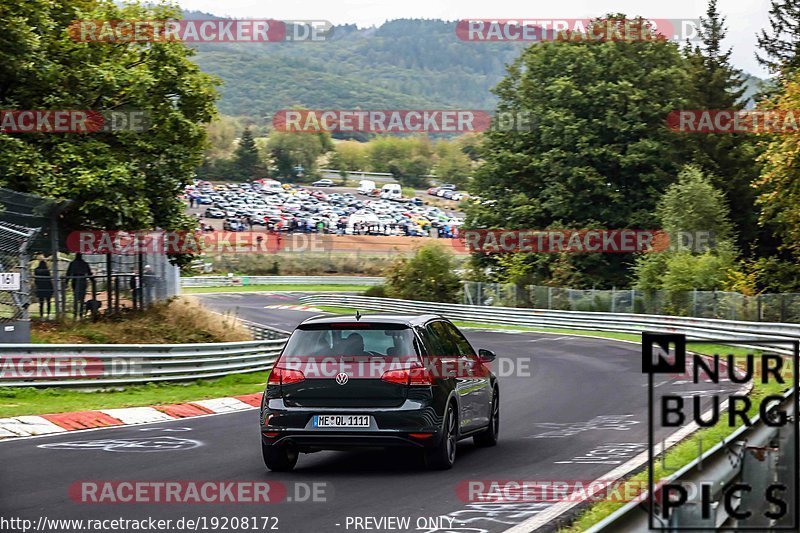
pixel 358 315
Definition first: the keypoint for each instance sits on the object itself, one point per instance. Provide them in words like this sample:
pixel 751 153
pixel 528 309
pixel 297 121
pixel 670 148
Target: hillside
pixel 405 63
pixel 401 64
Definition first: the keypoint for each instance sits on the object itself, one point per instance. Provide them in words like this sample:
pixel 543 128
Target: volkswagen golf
pixel 378 381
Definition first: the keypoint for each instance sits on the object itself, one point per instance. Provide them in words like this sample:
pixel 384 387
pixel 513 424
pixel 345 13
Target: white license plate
pixel 341 421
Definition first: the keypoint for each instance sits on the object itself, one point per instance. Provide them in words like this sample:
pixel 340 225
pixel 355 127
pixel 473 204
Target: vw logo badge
pixel 342 378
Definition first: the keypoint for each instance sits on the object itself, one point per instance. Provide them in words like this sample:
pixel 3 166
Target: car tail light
pixel 284 376
pixel 415 376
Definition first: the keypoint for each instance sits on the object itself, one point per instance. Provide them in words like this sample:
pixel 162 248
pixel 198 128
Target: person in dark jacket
pixel 78 273
pixel 43 281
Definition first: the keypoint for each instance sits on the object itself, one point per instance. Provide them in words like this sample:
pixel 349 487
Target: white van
pixel 365 186
pixel 392 191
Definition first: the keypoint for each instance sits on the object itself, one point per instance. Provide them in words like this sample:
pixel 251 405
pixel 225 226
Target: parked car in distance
pixel 271 186
pixel 212 212
pixel 232 224
pixel 365 187
pixel 324 182
pixel 391 191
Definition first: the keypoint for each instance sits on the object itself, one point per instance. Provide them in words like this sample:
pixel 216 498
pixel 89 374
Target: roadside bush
pixel 377 291
pixel 180 320
pixel 427 276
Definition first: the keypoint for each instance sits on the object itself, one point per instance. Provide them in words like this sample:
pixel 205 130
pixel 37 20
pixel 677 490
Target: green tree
pixel 778 190
pixel 295 155
pixel 427 276
pixel 729 160
pixel 222 137
pixel 410 156
pixel 246 160
pixel 780 45
pixel 349 156
pixel 470 144
pixel 452 164
pixel 411 172
pixel 693 204
pixel 117 179
pixel 408 159
pixel 701 255
pixel 596 154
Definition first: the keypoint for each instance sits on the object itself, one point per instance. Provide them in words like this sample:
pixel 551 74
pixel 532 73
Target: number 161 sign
pixel 9 281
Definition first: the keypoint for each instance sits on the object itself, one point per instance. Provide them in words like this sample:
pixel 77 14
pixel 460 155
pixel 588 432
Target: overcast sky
pixel 744 17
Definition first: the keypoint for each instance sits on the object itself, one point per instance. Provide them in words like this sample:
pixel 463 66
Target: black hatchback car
pixel 378 381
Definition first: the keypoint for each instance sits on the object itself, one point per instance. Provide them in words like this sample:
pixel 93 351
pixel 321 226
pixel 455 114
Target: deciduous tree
pixel 121 179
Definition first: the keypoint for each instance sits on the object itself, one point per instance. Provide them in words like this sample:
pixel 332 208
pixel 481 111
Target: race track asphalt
pixel 579 413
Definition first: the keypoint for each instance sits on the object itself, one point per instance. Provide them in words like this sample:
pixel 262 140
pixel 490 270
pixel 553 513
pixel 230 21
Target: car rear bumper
pixel 410 425
pixel 345 440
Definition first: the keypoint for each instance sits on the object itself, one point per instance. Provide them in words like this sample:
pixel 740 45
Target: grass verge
pixel 277 288
pixel 29 401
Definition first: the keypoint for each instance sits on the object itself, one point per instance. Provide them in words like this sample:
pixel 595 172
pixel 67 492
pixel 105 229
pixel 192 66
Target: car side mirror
pixel 486 356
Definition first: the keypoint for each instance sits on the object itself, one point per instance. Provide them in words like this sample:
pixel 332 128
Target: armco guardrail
pixel 693 328
pixel 754 455
pixel 261 332
pixel 52 365
pixel 238 281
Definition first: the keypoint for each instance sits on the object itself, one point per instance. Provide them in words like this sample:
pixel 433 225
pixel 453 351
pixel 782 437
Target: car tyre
pixel 280 457
pixel 443 455
pixel 490 435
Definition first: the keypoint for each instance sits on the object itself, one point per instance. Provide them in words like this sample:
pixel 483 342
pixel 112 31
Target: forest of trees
pixel 403 64
pixel 280 155
pixel 599 156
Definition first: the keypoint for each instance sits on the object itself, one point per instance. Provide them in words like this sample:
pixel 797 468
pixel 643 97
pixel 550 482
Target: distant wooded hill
pixel 406 63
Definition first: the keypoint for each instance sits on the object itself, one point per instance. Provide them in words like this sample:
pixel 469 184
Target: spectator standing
pixel 78 273
pixel 43 281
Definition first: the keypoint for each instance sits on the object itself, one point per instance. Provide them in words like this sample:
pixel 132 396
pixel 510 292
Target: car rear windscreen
pixel 357 340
